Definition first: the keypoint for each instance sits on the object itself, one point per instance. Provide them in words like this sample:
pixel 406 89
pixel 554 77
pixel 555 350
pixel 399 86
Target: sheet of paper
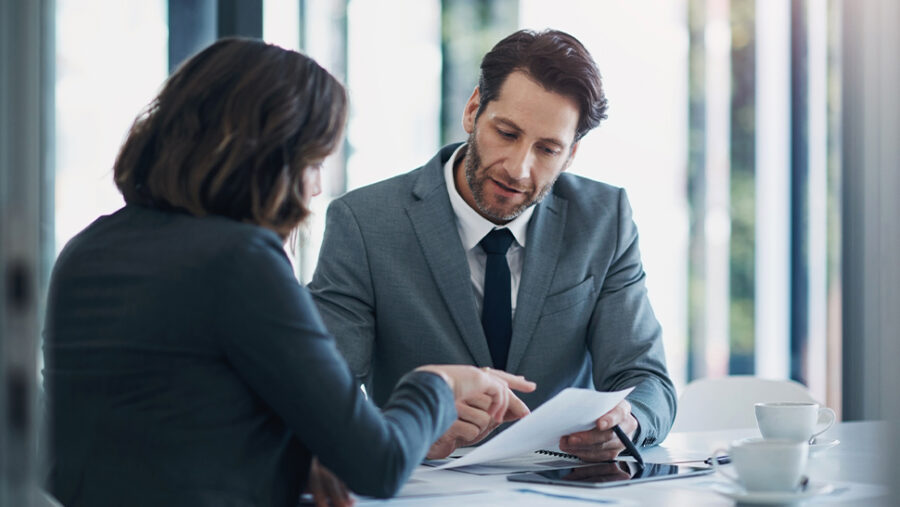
pixel 570 411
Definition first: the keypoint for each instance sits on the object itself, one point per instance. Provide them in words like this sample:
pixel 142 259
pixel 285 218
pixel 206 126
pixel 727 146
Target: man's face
pixel 519 145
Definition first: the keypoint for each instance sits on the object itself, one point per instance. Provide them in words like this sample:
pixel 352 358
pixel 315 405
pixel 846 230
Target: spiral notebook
pixel 542 459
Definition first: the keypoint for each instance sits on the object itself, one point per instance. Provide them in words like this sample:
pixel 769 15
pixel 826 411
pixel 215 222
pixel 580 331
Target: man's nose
pixel 520 162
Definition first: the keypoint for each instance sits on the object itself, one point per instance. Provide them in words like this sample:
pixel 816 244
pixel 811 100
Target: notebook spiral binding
pixel 558 454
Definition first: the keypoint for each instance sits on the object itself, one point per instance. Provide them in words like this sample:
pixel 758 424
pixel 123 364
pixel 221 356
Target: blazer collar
pixel 433 222
pixel 431 175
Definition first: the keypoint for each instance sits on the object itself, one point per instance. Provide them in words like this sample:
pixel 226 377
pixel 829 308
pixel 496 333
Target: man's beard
pixel 477 181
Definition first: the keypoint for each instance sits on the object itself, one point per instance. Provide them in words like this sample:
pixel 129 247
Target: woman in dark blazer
pixel 184 363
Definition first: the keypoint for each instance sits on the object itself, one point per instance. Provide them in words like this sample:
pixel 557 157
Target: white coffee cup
pixel 766 464
pixel 793 420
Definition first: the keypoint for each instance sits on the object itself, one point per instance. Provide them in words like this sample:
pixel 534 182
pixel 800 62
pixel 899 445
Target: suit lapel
pixel 541 255
pixel 435 227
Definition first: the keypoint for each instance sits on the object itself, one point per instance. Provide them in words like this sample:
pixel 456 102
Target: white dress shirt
pixel 473 228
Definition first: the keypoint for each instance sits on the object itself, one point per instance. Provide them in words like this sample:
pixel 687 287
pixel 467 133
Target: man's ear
pixel 470 111
pixel 571 156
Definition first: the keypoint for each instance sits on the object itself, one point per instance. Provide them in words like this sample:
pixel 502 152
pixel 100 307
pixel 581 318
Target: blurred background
pixel 722 128
pixel 754 138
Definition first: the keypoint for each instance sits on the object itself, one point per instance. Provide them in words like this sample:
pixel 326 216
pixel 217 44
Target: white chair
pixel 727 403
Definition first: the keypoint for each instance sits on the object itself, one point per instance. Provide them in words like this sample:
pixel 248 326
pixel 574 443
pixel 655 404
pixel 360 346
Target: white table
pixel 857 467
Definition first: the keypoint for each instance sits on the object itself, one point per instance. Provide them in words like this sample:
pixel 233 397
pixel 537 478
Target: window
pixel 110 62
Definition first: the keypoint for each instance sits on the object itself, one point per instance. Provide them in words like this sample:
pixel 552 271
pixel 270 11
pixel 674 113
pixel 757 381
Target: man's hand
pixel 474 423
pixel 326 488
pixel 601 443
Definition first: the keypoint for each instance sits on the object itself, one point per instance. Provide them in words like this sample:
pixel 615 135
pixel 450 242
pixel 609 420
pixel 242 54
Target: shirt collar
pixel 472 226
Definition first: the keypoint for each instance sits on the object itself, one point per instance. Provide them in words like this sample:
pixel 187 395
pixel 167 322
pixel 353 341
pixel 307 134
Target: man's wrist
pixel 643 434
pixel 637 428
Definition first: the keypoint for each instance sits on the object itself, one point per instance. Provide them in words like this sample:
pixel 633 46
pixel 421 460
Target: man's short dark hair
pixel 557 61
pixel 231 134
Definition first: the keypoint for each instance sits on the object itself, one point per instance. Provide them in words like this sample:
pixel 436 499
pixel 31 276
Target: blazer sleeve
pixel 625 338
pixel 342 288
pixel 273 336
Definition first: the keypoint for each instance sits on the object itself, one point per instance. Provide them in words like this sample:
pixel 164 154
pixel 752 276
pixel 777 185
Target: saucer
pixel 740 495
pixel 822 445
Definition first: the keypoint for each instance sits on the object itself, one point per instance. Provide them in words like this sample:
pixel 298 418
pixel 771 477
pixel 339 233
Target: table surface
pixel 857 468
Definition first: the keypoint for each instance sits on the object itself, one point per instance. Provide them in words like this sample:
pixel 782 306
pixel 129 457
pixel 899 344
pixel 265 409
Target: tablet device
pixel 610 474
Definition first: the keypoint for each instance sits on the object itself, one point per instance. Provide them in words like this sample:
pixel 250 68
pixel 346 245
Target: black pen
pixel 722 460
pixel 629 445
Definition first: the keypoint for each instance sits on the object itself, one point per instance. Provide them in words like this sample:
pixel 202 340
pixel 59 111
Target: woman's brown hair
pixel 231 133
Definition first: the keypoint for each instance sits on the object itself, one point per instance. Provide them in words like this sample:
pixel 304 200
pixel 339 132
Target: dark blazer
pixel 393 285
pixel 186 366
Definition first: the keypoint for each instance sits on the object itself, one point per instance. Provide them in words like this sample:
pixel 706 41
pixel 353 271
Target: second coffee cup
pixel 793 420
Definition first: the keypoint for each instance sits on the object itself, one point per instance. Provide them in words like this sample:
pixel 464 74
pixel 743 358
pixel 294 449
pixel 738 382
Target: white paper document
pixel 570 411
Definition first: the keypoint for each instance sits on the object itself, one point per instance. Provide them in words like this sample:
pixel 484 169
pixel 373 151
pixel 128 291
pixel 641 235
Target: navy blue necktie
pixel 496 313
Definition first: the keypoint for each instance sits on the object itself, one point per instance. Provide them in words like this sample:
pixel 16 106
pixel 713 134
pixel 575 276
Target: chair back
pixel 727 403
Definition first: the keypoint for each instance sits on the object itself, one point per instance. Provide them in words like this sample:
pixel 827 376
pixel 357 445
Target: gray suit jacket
pixel 393 286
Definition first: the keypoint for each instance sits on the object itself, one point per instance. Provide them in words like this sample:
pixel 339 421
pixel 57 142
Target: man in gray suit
pixel 491 255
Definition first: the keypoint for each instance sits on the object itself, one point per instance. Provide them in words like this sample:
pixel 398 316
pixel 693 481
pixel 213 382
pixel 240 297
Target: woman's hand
pixel 469 383
pixel 483 400
pixel 326 489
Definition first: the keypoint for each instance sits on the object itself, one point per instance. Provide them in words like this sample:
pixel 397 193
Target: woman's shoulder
pixel 211 232
pixel 137 233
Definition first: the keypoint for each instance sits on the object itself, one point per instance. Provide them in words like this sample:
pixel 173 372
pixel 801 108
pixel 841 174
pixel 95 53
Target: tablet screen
pixel 613 473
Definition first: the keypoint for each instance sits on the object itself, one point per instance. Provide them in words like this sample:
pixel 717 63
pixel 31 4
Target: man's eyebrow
pixel 508 123
pixel 512 125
